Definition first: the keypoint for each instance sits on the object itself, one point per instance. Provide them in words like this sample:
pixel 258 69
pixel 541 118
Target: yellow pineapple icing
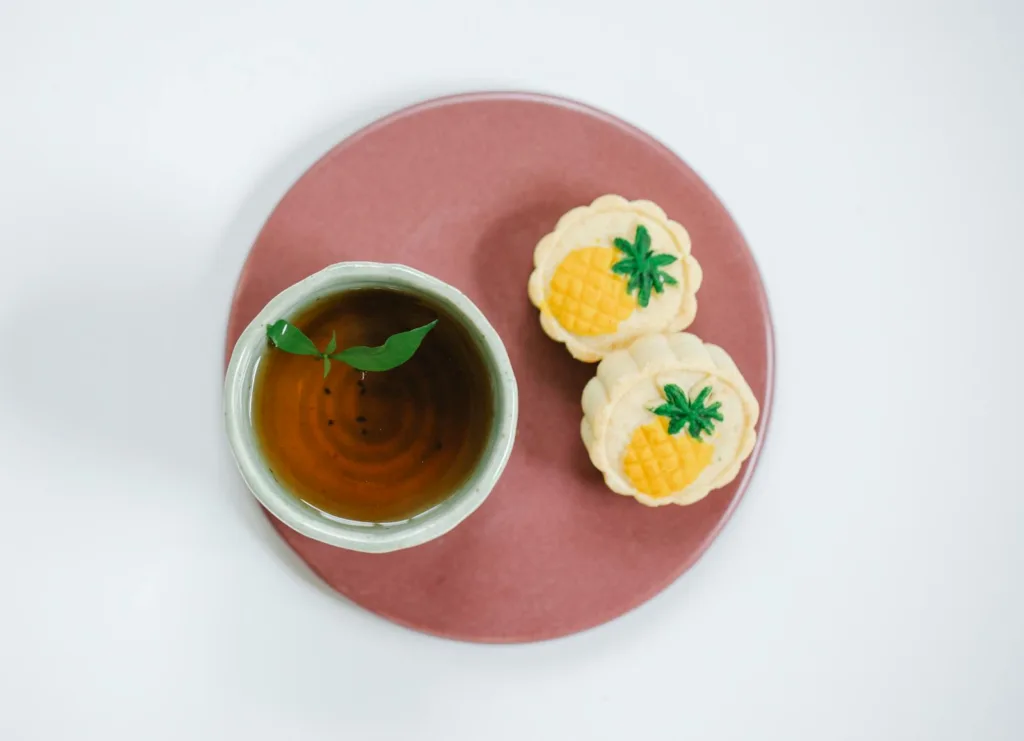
pixel 658 464
pixel 631 445
pixel 587 306
pixel 586 297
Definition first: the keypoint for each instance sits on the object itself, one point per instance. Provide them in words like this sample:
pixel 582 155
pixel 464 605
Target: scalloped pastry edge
pixel 536 288
pixel 647 356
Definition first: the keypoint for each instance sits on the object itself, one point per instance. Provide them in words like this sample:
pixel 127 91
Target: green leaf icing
pixel 692 415
pixel 643 266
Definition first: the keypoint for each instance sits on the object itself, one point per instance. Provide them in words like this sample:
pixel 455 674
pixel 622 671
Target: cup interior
pixel 283 503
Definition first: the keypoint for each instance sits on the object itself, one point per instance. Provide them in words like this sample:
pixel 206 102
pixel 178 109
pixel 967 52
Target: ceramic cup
pixel 368 537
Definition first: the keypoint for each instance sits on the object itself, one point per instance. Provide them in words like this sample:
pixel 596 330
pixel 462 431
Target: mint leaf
pixel 396 350
pixel 288 337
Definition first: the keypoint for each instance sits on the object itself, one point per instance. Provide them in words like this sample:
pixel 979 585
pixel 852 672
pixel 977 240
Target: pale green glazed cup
pixel 289 509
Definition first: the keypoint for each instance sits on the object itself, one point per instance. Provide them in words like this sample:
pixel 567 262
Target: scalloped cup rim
pixel 289 509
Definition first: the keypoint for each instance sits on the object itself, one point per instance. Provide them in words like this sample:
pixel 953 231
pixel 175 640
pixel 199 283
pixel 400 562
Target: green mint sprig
pixel 397 349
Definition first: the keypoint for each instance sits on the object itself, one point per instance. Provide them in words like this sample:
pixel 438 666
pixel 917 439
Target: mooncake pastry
pixel 668 419
pixel 611 272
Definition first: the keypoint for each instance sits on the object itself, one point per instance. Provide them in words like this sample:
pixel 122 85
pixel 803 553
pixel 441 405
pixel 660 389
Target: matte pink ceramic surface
pixel 462 188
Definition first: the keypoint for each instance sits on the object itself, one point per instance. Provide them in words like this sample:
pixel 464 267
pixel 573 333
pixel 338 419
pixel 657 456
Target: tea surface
pixel 374 447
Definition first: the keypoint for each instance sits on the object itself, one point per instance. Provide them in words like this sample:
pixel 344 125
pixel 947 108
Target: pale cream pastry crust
pixel 595 228
pixel 619 400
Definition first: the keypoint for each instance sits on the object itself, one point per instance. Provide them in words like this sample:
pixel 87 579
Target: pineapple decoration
pixel 591 293
pixel 668 419
pixel 611 272
pixel 668 454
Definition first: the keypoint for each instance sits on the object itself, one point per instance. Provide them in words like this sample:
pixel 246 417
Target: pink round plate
pixel 462 188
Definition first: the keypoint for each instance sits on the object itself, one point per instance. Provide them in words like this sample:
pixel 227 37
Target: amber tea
pixel 374 447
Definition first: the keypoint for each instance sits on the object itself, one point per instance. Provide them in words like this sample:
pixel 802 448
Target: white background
pixel 869 587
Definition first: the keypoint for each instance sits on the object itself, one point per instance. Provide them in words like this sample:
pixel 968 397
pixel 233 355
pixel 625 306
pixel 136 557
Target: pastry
pixel 611 272
pixel 668 419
